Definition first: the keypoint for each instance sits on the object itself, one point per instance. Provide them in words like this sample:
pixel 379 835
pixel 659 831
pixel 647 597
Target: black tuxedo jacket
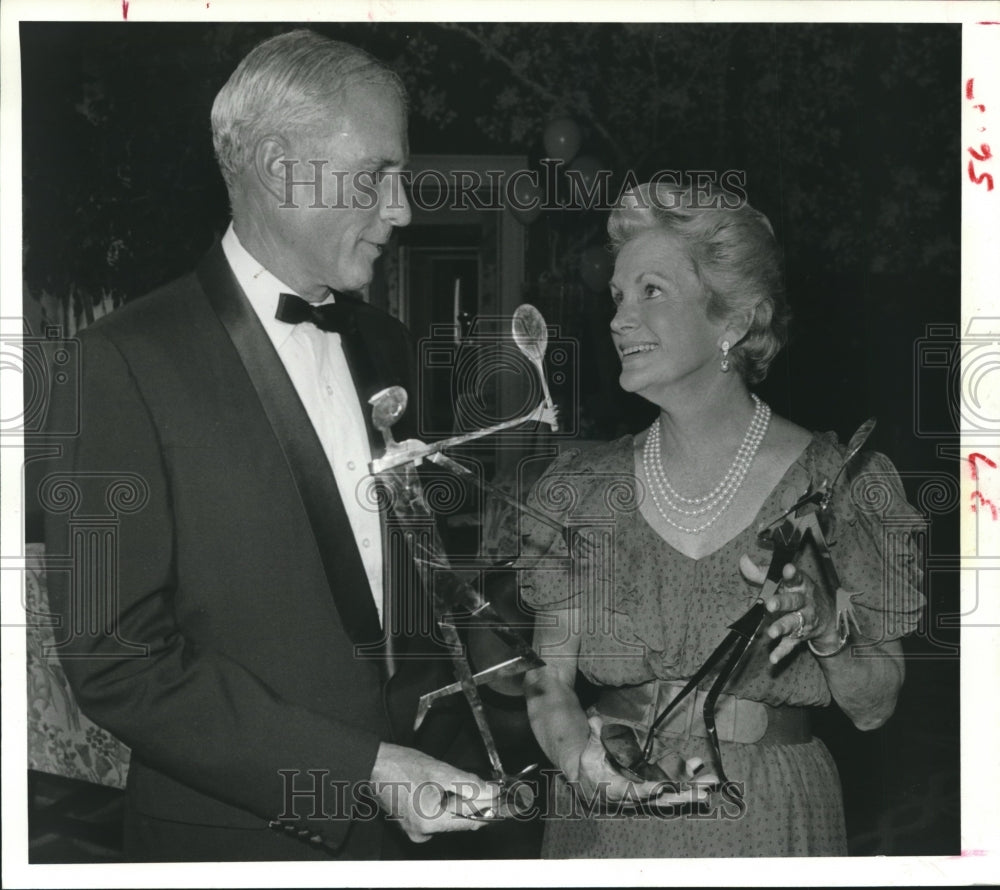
pixel 220 643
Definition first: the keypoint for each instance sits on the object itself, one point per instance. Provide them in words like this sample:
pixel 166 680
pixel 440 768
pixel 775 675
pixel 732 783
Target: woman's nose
pixel 625 319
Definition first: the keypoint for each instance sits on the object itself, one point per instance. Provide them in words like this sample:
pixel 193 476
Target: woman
pixel 672 517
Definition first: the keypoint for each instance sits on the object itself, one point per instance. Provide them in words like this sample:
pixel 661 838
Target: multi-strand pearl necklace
pixel 720 497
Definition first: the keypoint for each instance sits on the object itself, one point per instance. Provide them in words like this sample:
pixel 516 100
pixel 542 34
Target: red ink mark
pixel 984 152
pixel 983 177
pixel 977 456
pixel 986 502
pixel 125 9
pixel 371 16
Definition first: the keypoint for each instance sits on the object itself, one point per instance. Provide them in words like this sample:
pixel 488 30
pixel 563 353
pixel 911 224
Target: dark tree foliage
pixel 846 132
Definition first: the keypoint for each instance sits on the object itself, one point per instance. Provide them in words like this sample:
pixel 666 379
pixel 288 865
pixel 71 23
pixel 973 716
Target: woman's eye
pixel 616 298
pixel 651 290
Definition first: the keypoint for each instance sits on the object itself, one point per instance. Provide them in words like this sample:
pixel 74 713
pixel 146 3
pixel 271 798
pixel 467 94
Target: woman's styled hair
pixel 734 253
pixel 287 83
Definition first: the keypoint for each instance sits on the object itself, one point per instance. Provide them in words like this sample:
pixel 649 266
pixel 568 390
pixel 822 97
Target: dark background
pixel 849 137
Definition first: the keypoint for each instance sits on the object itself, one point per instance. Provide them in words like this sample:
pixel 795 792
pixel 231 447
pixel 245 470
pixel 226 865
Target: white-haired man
pixel 249 573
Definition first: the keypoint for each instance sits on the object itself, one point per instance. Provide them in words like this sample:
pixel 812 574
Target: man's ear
pixel 274 168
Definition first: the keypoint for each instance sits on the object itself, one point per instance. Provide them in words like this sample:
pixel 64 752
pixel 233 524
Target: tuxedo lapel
pixel 379 355
pixel 303 452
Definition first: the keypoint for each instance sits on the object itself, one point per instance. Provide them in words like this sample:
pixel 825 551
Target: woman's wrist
pixel 827 644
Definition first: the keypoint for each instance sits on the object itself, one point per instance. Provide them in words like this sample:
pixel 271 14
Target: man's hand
pixel 427 796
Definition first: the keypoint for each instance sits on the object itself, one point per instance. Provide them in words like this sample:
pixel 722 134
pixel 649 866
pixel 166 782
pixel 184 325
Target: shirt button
pixel 329 390
pixel 366 543
pixel 350 465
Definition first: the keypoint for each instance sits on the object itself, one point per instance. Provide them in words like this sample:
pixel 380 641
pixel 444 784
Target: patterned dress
pixel 650 612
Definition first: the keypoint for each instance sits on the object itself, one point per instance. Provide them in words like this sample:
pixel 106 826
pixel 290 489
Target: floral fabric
pixel 649 612
pixel 652 612
pixel 61 740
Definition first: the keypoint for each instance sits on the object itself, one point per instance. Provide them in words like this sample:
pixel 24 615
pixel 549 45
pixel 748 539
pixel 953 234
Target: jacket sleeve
pixel 192 713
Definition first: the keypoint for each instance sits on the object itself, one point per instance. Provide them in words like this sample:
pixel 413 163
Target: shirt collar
pixel 261 287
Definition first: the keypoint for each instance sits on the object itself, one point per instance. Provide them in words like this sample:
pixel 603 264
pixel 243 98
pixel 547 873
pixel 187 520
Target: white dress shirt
pixel 316 364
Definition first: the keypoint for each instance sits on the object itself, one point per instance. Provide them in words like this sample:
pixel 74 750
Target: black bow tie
pixel 341 318
pixel 336 317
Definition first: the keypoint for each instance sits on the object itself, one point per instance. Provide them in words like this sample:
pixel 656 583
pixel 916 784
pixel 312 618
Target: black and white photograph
pixel 466 449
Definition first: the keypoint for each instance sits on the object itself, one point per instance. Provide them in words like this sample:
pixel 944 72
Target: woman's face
pixel 661 330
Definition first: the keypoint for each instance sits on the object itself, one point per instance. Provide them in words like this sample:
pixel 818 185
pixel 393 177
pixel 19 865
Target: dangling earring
pixel 725 357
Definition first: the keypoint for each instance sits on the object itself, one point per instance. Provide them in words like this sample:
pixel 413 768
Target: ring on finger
pixel 800 630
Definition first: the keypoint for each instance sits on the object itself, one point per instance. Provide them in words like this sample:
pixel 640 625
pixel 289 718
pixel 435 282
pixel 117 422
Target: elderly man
pixel 232 646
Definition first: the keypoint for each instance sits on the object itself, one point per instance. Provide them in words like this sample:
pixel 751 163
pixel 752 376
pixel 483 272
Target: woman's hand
pixel 597 776
pixel 807 611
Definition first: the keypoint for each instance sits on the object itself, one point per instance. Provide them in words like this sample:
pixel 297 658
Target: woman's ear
pixel 738 326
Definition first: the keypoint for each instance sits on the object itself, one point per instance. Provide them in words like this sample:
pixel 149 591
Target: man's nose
pixel 394 206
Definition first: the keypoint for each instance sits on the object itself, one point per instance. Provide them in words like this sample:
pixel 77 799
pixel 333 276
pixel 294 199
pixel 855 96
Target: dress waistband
pixel 737 720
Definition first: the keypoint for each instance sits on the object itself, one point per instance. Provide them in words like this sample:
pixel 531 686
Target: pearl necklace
pixel 747 450
pixel 721 496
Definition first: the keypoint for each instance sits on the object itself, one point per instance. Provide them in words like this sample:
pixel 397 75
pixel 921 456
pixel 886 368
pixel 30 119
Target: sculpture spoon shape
pixel 531 336
pixel 388 406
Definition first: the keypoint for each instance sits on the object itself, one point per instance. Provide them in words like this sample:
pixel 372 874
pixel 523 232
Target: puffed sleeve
pixel 546 572
pixel 878 548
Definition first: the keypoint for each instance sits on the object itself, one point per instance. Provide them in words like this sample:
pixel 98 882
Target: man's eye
pixel 651 290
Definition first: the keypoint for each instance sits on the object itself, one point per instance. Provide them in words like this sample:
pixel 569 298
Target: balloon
pixel 596 267
pixel 562 139
pixel 525 201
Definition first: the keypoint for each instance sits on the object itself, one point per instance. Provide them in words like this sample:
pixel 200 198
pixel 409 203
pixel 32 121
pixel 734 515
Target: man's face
pixel 363 145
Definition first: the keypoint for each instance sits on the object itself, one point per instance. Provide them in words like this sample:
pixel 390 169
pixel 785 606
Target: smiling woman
pixel 731 254
pixel 661 329
pixel 699 316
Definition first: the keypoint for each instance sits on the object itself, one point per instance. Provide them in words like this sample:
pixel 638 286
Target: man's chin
pixel 356 282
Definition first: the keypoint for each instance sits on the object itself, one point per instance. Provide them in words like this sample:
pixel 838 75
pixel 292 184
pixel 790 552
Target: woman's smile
pixel 633 349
